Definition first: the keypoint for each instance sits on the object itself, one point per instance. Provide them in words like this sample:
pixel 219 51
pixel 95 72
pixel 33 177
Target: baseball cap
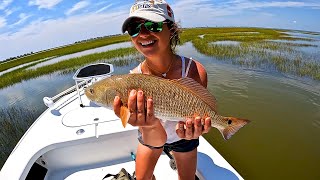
pixel 152 10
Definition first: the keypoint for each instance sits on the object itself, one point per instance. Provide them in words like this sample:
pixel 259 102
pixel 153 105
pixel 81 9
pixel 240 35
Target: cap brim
pixel 143 15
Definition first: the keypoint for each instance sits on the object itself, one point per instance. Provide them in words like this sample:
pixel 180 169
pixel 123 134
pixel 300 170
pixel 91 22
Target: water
pixel 303 35
pixel 69 56
pixel 20 66
pixel 233 43
pixel 83 53
pixel 281 142
pixel 313 49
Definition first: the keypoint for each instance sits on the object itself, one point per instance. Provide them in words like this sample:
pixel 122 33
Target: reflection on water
pixel 234 43
pixel 20 66
pixel 311 47
pixel 83 53
pixel 285 115
pixel 30 93
pixel 303 35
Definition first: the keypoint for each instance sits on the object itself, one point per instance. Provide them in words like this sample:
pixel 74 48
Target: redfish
pixel 173 100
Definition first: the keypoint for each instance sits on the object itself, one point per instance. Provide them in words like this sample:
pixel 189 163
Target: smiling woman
pixel 154 33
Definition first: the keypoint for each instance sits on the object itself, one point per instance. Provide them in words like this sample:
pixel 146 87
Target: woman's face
pixel 152 44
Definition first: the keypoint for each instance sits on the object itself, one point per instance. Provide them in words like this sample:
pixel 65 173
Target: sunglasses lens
pixel 153 26
pixel 134 29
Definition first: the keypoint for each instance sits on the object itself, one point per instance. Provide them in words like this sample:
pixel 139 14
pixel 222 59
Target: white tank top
pixel 170 126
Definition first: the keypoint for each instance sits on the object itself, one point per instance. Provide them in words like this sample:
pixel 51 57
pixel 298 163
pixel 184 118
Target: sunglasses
pixel 134 28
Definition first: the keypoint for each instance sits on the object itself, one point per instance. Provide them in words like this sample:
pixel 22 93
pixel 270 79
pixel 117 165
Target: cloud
pixel 45 4
pixel 236 6
pixel 242 5
pixel 78 6
pixel 207 12
pixel 104 8
pixel 3 22
pixel 5 3
pixel 22 18
pixel 7 12
pixel 44 34
pixel 106 18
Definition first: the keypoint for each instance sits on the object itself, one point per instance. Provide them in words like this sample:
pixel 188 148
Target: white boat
pixel 76 139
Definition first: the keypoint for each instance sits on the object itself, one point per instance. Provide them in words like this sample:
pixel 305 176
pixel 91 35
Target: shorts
pixel 182 145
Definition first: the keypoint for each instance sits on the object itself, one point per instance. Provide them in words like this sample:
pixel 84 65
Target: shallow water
pixel 303 35
pixel 314 49
pixel 234 43
pixel 281 142
pixel 20 66
pixel 83 53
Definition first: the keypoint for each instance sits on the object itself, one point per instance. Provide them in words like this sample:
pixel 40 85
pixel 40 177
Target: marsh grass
pixel 60 51
pixel 23 74
pixel 262 49
pixel 14 122
pixel 258 47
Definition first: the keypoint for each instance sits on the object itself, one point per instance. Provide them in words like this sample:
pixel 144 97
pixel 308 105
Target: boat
pixel 77 139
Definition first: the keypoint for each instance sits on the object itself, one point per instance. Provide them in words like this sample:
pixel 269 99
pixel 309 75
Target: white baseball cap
pixel 152 10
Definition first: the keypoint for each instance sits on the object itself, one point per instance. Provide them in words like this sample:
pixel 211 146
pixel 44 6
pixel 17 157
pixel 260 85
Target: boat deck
pixel 162 171
pixel 73 142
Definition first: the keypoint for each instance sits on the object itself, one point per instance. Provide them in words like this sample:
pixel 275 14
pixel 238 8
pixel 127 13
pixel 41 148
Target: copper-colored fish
pixel 173 100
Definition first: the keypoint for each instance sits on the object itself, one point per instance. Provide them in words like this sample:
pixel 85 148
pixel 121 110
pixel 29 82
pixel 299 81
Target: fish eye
pixel 91 91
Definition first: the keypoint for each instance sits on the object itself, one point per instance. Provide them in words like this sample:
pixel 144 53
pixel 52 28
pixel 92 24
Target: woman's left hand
pixel 193 128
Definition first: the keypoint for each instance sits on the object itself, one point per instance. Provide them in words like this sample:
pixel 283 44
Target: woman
pixel 154 34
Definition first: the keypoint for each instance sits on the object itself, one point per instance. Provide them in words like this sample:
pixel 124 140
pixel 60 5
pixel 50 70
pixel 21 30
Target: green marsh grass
pixel 60 51
pixel 14 122
pixel 259 50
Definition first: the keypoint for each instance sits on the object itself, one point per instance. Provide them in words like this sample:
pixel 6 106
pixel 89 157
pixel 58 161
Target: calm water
pixel 83 53
pixel 281 142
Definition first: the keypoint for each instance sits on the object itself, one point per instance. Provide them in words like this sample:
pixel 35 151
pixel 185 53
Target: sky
pixel 34 25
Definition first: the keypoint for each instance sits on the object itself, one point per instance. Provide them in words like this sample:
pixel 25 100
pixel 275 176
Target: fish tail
pixel 124 115
pixel 232 125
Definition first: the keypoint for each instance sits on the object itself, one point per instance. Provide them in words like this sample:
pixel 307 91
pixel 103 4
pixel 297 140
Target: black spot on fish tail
pixel 232 126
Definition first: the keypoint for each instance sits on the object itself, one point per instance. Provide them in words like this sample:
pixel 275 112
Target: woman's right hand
pixel 150 127
pixel 139 114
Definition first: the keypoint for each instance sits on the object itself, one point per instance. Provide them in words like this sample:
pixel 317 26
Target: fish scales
pixel 173 100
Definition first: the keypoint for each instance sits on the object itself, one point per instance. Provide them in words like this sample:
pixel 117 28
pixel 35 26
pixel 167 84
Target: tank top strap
pixel 183 62
pixel 139 70
pixel 188 67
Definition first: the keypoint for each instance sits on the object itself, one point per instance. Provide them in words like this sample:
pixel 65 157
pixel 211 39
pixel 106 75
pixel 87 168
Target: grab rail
pixel 82 77
pixel 49 101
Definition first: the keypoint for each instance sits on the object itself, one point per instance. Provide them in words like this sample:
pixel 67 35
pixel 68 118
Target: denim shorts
pixel 182 145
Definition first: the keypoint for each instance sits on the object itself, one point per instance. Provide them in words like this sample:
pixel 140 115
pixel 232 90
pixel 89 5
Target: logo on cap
pixel 140 6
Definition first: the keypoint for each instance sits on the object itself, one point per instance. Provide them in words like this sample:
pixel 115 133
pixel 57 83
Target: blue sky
pixel 33 25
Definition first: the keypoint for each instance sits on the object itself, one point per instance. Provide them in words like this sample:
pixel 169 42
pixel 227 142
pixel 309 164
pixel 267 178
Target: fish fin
pixel 233 124
pixel 196 88
pixel 124 115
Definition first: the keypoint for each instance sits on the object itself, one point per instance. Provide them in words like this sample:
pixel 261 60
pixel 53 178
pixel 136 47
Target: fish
pixel 173 100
